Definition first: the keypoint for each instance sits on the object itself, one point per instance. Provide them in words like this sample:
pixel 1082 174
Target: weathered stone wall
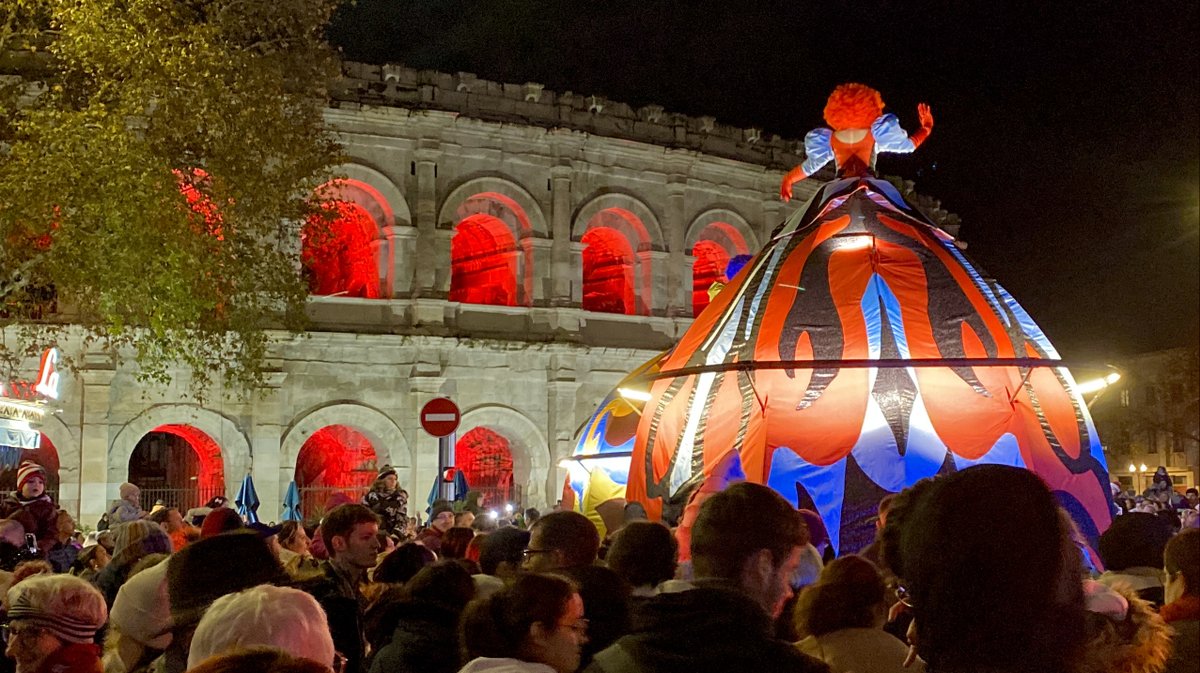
pixel 424 150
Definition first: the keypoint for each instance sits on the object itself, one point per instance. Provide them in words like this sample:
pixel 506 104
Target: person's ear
pixel 339 543
pixel 538 635
pixel 758 569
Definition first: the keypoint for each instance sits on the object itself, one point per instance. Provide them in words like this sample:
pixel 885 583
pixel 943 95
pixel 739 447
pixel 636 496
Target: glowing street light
pixel 1096 385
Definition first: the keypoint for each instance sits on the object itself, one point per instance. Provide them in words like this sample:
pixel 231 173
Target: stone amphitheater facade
pixel 427 152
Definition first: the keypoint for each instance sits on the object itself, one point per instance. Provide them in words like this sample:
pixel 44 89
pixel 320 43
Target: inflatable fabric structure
pixel 599 468
pixel 858 352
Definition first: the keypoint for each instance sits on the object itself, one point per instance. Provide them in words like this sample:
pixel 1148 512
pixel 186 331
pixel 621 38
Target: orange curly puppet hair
pixel 853 106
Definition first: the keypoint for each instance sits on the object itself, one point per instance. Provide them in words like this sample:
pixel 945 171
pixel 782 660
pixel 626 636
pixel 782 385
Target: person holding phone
pixel 33 507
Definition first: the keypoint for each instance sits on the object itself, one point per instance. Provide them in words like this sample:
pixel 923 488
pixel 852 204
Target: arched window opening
pixel 608 282
pixel 337 464
pixel 178 464
pixel 486 460
pixel 45 455
pixel 483 262
pixel 708 268
pixel 338 253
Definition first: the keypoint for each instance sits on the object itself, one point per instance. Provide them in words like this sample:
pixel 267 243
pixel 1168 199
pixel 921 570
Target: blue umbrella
pixel 247 500
pixel 291 504
pixel 460 489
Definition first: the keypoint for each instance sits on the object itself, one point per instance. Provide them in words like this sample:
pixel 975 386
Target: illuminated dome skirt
pixel 858 352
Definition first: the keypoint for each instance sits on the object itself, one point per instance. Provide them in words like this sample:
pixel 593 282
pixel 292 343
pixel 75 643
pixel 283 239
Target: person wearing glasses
pixel 52 624
pixel 534 626
pixel 567 543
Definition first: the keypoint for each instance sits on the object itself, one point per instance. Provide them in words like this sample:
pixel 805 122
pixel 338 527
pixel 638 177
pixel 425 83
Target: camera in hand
pixel 11 555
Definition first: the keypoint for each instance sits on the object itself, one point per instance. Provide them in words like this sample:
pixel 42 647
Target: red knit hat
pixel 28 470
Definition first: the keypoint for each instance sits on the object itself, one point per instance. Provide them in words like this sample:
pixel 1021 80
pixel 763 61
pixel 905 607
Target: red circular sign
pixel 440 416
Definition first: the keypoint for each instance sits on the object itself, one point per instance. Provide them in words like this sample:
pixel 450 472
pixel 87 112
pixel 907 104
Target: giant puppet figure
pixel 858 352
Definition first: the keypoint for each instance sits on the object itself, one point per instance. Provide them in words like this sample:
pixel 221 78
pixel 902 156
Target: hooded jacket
pixel 713 627
pixel 425 641
pixel 1140 642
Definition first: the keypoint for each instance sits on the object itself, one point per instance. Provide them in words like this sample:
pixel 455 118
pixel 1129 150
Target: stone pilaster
pixel 96 481
pixel 561 269
pixel 425 216
pixel 678 277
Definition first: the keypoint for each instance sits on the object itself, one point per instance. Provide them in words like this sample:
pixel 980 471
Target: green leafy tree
pixel 156 160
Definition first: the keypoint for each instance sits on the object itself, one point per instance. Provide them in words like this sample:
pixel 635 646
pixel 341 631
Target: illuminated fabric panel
pixel 783 368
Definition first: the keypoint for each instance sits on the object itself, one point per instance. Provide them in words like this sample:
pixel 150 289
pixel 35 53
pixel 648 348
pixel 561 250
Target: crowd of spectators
pixel 979 570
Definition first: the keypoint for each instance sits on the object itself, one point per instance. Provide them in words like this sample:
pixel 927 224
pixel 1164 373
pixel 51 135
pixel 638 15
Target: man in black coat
pixel 746 546
pixel 350 534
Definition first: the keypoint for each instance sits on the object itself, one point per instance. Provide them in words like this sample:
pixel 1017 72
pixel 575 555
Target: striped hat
pixel 66 606
pixel 27 470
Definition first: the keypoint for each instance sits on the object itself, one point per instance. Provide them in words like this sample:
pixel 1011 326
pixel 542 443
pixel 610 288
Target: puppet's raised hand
pixel 925 116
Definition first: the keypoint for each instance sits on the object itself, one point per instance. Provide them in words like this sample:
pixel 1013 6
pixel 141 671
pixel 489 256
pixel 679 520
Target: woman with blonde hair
pixel 841 619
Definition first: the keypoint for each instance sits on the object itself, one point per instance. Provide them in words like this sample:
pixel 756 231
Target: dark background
pixel 1066 135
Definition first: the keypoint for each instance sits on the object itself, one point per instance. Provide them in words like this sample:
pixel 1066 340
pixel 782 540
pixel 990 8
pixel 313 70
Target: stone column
pixel 658 279
pixel 545 283
pixel 96 485
pixel 561 387
pixel 678 276
pixel 266 444
pixel 426 382
pixel 425 216
pixel 561 270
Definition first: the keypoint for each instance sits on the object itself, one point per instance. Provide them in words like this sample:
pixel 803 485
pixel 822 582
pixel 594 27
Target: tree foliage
pixel 156 159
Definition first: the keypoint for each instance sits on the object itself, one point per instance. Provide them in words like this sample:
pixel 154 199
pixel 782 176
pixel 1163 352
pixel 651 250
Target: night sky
pixel 1067 138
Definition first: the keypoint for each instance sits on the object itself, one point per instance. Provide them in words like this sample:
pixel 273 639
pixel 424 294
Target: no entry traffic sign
pixel 440 416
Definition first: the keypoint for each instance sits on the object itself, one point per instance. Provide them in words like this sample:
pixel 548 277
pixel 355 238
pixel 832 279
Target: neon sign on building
pixel 24 404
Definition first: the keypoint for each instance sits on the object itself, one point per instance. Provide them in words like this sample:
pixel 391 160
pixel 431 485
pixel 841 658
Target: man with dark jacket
pixel 746 544
pixel 351 536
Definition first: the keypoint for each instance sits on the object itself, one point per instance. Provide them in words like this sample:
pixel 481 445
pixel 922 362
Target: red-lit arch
pixel 339 251
pixel 484 262
pixel 335 459
pixel 179 464
pixel 718 243
pixel 608 272
pixel 617 277
pixel 211 472
pixel 708 267
pixel 485 458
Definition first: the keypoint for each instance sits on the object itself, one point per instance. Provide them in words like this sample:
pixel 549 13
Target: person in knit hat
pixel 388 501
pixel 32 506
pixel 133 541
pixel 53 620
pixel 128 507
pixel 441 519
pixel 201 573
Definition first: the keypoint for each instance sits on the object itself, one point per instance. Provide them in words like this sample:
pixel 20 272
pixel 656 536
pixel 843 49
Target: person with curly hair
pixel 859 131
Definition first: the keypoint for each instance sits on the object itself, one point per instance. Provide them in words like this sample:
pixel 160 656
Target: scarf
pixel 1184 609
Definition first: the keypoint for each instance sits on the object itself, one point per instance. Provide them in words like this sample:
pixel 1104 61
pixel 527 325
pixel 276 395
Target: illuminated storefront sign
pixel 24 404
